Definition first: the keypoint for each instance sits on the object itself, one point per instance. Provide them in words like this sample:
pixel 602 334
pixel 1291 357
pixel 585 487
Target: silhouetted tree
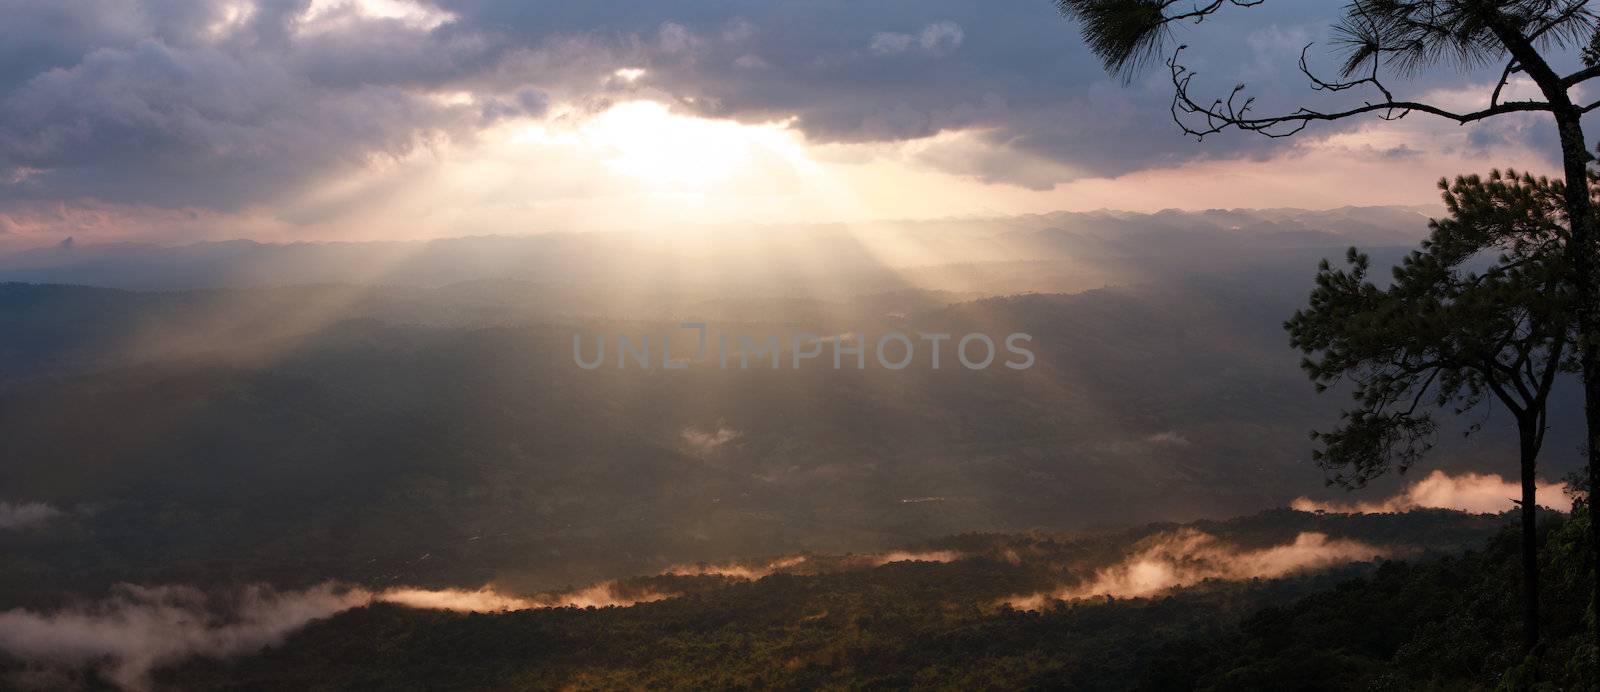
pixel 1408 36
pixel 1444 334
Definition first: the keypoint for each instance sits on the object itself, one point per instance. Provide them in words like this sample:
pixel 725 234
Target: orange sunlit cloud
pixel 1468 492
pixel 1187 557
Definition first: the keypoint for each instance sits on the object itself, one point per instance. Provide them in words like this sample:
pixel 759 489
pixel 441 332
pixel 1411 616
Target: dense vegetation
pixel 1451 623
pixel 1426 623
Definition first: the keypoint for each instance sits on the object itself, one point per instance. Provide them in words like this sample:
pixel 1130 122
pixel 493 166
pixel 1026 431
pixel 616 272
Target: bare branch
pixel 1200 12
pixel 1235 113
pixel 1505 77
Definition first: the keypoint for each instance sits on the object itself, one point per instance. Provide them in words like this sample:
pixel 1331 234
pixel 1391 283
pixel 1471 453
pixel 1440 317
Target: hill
pixel 950 612
pixel 1435 622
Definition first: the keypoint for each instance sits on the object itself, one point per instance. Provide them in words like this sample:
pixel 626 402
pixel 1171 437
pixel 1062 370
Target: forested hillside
pixel 386 446
pixel 1424 622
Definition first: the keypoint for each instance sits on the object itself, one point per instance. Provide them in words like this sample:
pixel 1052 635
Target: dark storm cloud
pixel 893 69
pixel 152 103
pixel 154 109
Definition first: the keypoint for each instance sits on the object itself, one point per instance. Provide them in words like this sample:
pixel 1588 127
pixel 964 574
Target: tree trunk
pixel 1581 255
pixel 1581 258
pixel 1530 535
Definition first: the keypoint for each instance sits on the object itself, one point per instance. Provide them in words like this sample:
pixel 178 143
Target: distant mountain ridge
pixel 870 252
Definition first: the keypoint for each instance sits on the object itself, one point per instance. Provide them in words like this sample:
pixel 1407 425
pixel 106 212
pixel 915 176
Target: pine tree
pixel 1406 37
pixel 1443 334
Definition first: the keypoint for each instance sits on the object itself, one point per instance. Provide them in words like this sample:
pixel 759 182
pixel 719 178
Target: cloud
pixel 838 82
pixel 735 570
pixel 242 106
pixel 941 36
pixel 482 600
pixel 1468 492
pixel 1170 438
pixel 140 628
pixel 939 556
pixel 705 443
pixel 1187 557
pixel 890 43
pixel 201 126
pixel 750 61
pixel 1164 441
pixel 751 572
pixel 488 600
pixel 937 38
pixel 673 37
pixel 21 515
pixel 193 110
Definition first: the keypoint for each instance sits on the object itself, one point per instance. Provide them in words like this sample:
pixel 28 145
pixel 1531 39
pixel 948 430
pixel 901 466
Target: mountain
pixel 371 450
pixel 345 422
pixel 1088 250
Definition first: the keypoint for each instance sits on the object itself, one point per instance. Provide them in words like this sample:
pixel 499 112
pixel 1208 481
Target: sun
pixel 646 140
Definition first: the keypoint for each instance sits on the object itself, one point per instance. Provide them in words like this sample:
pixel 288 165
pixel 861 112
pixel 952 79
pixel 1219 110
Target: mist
pixel 140 628
pixel 21 515
pixel 735 570
pixel 486 599
pixel 1187 557
pixel 1477 493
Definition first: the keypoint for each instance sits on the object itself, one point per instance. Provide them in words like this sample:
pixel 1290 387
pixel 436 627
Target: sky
pixel 287 120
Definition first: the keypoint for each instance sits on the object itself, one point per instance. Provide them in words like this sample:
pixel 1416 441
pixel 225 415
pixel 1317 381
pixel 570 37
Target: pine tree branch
pixel 1581 76
pixel 1223 114
pixel 1505 77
